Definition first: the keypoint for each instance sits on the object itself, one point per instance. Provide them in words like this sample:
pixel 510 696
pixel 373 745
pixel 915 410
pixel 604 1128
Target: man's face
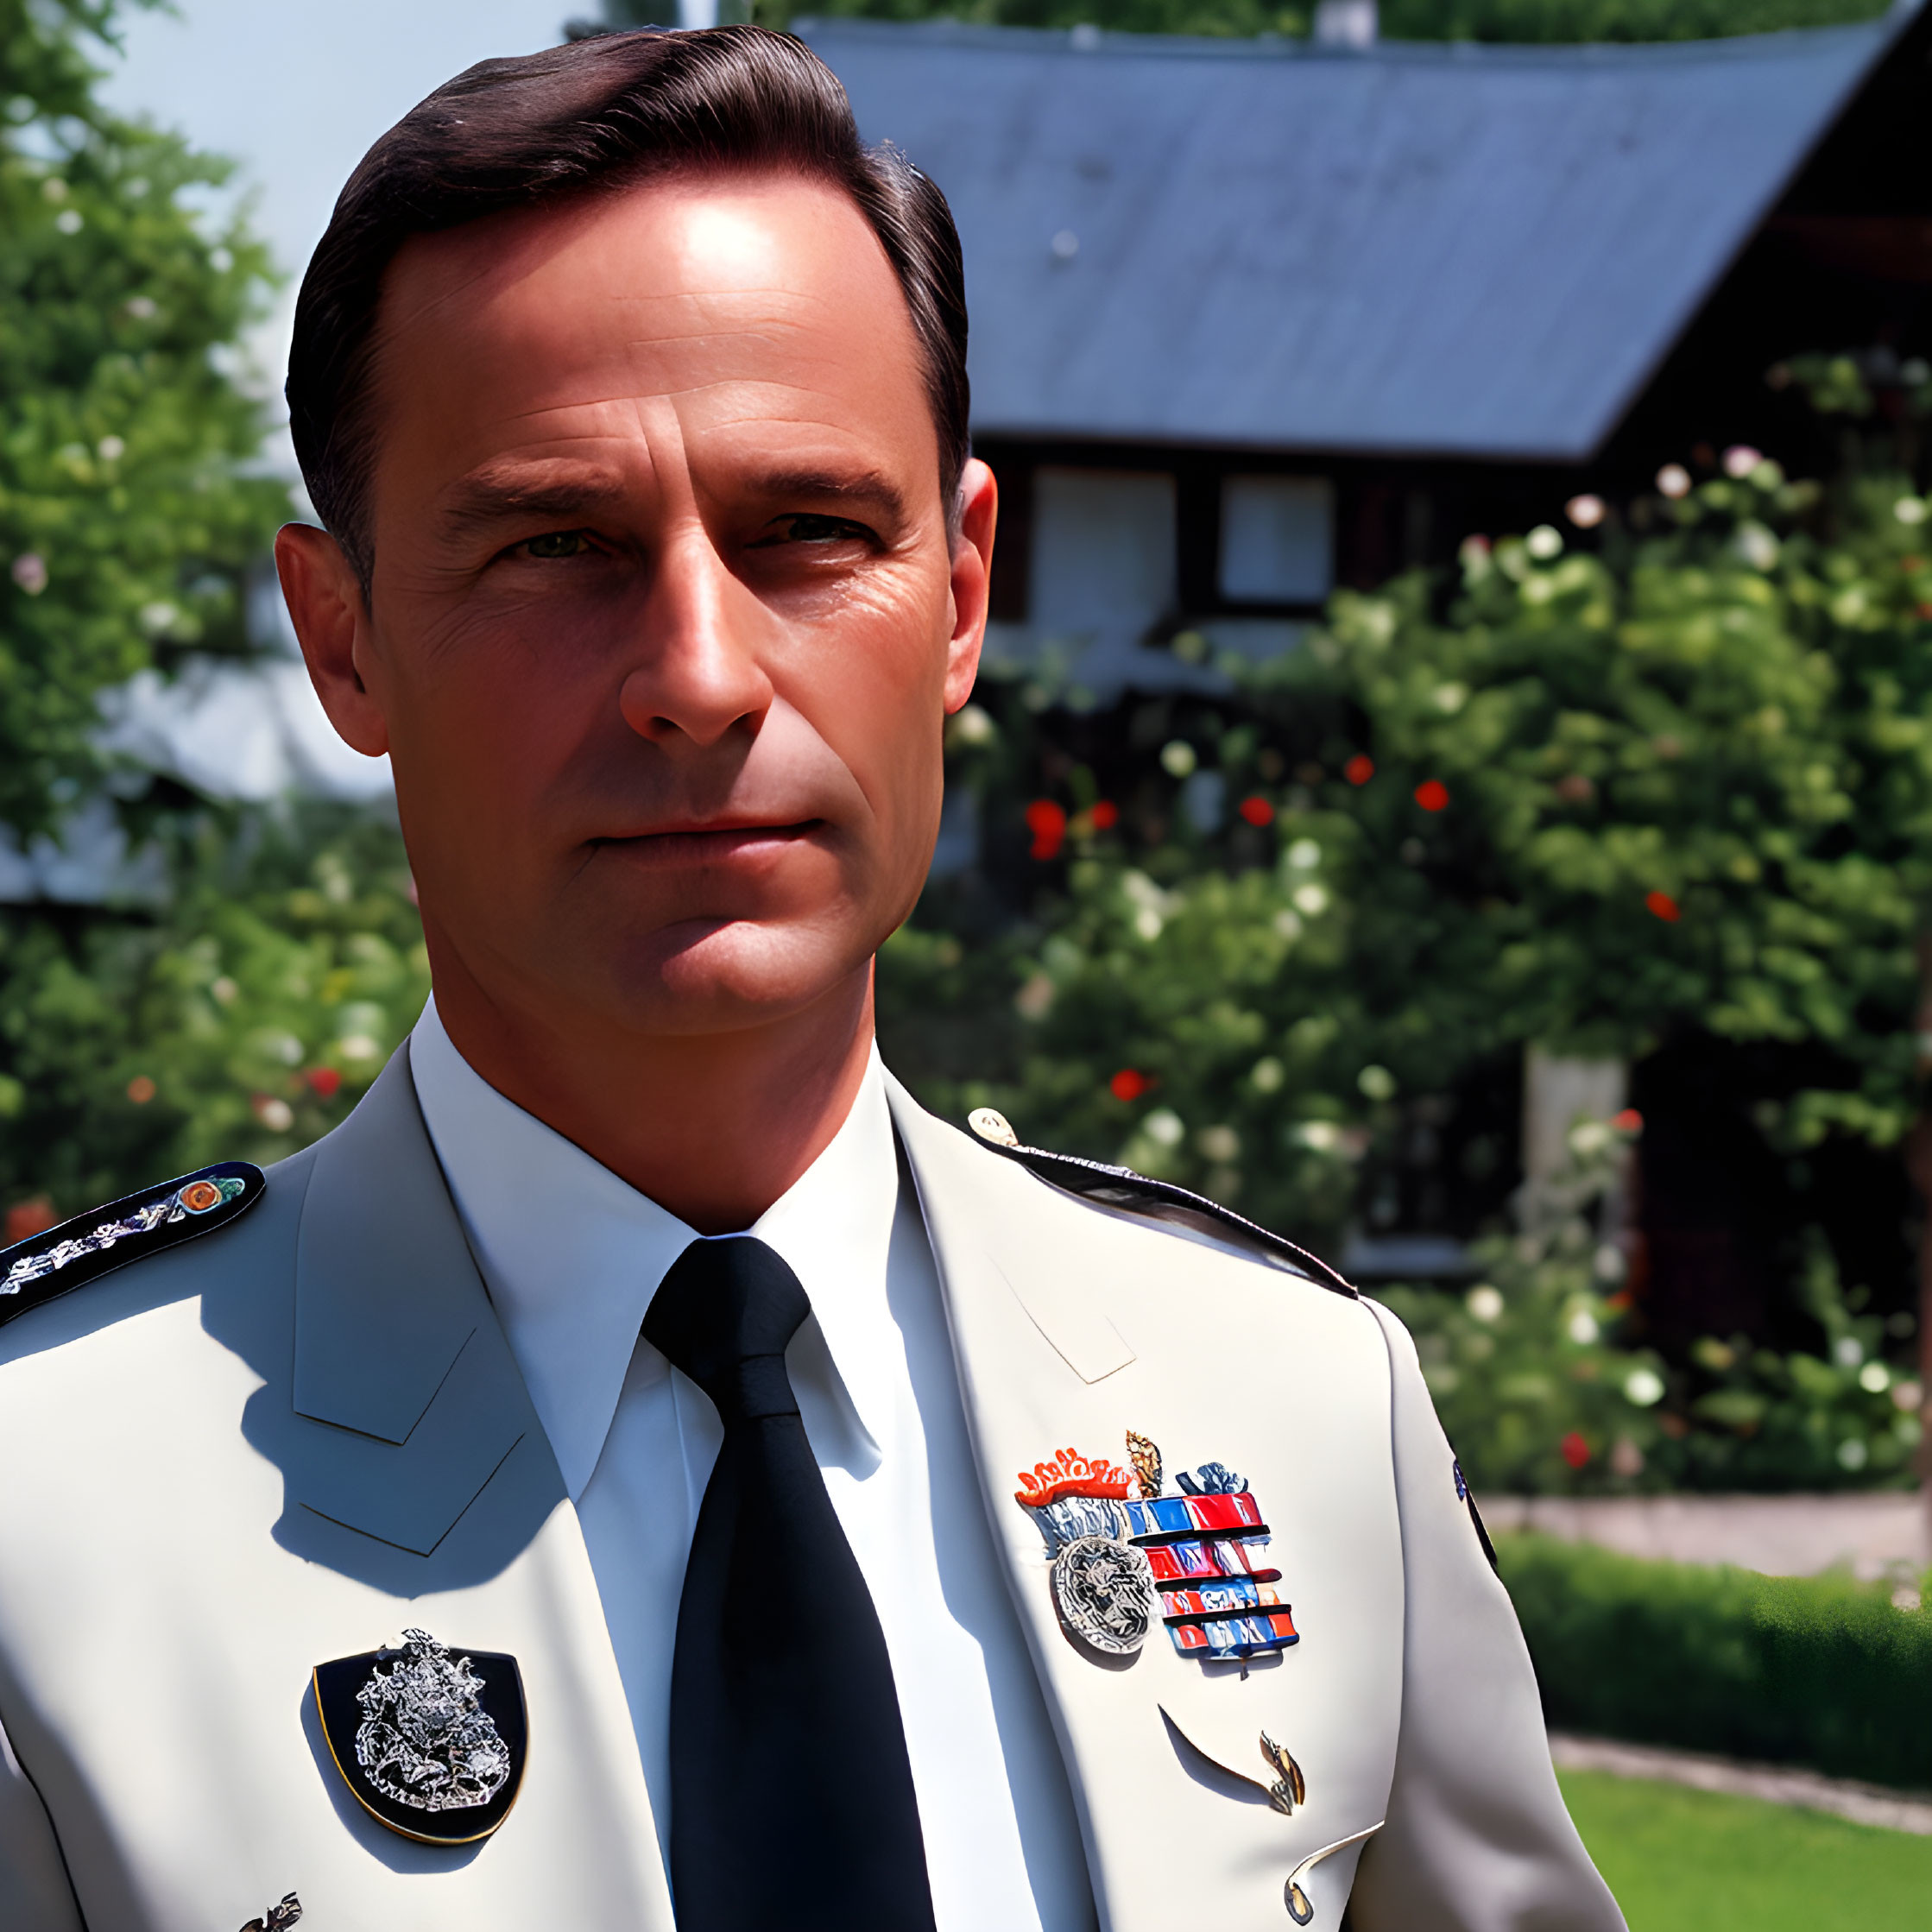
pixel 666 618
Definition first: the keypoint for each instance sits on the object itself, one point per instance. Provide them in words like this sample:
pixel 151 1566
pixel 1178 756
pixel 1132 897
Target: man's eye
pixel 557 543
pixel 802 526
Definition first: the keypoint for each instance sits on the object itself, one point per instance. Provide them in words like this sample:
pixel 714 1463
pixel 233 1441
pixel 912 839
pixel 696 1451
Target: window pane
pixel 1103 549
pixel 1277 538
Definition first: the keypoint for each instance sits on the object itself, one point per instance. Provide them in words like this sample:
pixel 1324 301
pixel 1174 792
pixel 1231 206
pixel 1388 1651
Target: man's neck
pixel 712 1127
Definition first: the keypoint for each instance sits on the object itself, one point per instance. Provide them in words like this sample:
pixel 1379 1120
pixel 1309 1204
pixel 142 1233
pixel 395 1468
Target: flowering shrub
pixel 1667 775
pixel 241 1024
pixel 1541 1391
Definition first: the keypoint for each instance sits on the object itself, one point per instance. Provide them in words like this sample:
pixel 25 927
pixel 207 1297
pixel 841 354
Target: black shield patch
pixel 431 1739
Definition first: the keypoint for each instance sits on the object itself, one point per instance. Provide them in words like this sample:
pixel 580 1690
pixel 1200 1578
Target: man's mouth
pixel 714 845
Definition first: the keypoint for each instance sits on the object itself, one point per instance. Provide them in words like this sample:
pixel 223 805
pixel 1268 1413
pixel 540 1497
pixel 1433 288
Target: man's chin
pixel 722 975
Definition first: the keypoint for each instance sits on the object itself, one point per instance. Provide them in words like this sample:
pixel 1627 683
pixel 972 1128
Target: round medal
pixel 1104 1593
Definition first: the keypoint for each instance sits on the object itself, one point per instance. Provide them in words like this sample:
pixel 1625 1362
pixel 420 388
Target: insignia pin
pixel 432 1745
pixel 277 1918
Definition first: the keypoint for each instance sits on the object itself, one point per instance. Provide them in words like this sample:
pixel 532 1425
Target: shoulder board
pixel 78 1251
pixel 1121 1187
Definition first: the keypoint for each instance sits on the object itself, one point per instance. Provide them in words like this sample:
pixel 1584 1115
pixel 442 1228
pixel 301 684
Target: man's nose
pixel 698 673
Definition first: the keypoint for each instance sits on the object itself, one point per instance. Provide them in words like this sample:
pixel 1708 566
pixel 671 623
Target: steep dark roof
pixel 1469 250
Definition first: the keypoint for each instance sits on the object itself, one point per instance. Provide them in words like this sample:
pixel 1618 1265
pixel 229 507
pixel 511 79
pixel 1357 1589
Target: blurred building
pixel 1251 318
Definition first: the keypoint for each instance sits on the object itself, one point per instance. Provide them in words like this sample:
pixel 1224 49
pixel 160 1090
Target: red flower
pixel 34 1216
pixel 1629 1122
pixel 1432 795
pixel 326 1082
pixel 1663 906
pixel 1128 1084
pixel 1358 769
pixel 1575 1451
pixel 1257 811
pixel 1105 815
pixel 1047 822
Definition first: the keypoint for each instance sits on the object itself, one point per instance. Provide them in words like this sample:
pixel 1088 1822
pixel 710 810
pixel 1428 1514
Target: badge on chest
pixel 431 1742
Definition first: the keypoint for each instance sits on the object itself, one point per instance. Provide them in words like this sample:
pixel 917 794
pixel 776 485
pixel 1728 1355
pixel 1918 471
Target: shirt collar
pixel 571 1255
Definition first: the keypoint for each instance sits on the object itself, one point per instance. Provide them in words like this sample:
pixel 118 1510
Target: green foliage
pixel 1674 777
pixel 1548 21
pixel 1689 778
pixel 125 521
pixel 1541 1391
pixel 241 1024
pixel 1814 1671
pixel 1552 21
pixel 1683 780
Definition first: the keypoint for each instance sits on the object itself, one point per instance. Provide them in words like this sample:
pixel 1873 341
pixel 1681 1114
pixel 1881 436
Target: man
pixel 642 1463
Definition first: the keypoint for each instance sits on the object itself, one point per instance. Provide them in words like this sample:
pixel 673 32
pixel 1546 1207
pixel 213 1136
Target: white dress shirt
pixel 571 1256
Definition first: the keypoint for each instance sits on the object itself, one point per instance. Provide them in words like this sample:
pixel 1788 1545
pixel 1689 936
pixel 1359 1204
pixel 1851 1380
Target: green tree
pixel 126 518
pixel 1549 20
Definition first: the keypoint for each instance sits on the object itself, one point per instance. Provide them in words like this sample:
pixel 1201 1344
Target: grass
pixel 1692 1861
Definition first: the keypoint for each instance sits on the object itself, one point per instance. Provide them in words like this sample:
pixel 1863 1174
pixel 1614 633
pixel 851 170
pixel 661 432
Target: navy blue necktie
pixel 791 1801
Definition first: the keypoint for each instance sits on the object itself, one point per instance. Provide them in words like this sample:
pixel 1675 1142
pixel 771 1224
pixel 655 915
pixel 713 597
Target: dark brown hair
pixel 603 113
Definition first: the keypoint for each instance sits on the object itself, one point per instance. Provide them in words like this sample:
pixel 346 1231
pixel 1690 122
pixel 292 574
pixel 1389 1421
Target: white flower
pixel 972 726
pixel 1582 1327
pixel 358 1046
pixel 69 221
pixel 1674 480
pixel 1323 1136
pixel 1311 899
pixel 1586 512
pixel 1910 509
pixel 1853 1453
pixel 110 449
pixel 1485 1303
pixel 1847 1352
pixel 1642 1387
pixel 1177 758
pixel 1874 1378
pixel 1376 1082
pixel 1756 546
pixel 1543 542
pixel 1304 854
pixel 1220 1143
pixel 29 572
pixel 1164 1127
pixel 1267 1075
pixel 1741 459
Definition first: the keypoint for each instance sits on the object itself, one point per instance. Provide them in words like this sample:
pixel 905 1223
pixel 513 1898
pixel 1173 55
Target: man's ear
pixel 972 579
pixel 331 615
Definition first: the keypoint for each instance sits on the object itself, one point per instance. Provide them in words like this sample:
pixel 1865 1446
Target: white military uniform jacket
pixel 287 1441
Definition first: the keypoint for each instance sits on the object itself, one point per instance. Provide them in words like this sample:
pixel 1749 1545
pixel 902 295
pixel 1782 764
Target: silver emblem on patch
pixel 1104 1592
pixel 425 1741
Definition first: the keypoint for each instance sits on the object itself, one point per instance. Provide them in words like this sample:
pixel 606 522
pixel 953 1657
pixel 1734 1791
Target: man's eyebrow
pixel 486 499
pixel 866 488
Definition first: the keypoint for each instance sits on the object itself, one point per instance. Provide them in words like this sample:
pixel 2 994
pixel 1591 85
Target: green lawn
pixel 1690 1861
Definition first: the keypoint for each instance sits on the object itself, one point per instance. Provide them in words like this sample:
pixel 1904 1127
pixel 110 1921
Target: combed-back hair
pixel 602 113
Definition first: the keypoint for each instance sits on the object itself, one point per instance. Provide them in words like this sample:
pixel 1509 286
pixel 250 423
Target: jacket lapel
pixel 1070 1325
pixel 398 1350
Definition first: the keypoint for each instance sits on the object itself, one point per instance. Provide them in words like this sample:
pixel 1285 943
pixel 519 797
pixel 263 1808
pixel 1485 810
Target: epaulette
pixel 60 1258
pixel 1121 1187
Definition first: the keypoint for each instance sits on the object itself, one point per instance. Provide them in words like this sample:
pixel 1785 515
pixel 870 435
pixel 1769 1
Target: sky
pixel 295 91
